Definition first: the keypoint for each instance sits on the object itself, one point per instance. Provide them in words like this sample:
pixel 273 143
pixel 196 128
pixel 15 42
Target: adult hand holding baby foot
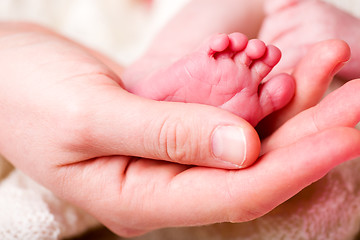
pixel 68 124
pixel 293 157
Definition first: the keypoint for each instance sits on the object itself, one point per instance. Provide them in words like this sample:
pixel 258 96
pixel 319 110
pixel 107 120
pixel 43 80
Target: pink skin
pixel 294 157
pixel 327 56
pixel 79 130
pixel 286 27
pixel 227 71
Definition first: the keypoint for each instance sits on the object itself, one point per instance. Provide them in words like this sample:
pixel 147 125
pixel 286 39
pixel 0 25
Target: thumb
pixel 184 133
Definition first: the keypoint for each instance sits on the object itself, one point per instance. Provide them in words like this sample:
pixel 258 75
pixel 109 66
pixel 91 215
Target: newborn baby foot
pixel 227 72
pixel 286 27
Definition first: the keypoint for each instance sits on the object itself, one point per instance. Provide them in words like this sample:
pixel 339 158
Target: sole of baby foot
pixel 227 72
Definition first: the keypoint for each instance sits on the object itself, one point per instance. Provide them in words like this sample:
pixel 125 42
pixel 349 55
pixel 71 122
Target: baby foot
pixel 227 72
pixel 286 27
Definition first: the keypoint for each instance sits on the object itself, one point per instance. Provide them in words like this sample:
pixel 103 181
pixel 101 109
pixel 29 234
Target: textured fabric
pixel 328 209
pixel 29 211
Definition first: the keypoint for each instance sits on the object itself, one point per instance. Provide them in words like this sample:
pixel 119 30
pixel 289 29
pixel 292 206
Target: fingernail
pixel 229 145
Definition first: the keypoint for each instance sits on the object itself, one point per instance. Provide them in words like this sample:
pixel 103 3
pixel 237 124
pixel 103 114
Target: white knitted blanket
pixel 328 209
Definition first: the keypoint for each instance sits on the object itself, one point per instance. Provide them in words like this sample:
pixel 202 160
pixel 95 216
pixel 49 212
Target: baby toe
pixel 261 67
pixel 276 93
pixel 238 41
pixel 218 43
pixel 255 49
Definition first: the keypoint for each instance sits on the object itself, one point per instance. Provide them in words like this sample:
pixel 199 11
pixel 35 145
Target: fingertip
pixel 253 146
pixel 343 47
pixel 236 146
pixel 329 55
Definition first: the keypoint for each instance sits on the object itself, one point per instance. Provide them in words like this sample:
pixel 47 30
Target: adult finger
pixel 312 75
pixel 146 195
pixel 192 134
pixel 339 108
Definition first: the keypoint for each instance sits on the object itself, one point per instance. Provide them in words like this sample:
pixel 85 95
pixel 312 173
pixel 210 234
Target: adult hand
pixel 67 123
pixel 148 195
pixel 323 60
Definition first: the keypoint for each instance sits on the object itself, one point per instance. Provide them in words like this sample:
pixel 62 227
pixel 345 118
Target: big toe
pixel 276 93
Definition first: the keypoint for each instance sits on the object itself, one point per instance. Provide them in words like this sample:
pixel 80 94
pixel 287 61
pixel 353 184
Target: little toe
pixel 238 41
pixel 218 43
pixel 264 65
pixel 276 93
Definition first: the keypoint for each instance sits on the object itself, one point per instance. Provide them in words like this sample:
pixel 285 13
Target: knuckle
pixel 75 124
pixel 79 116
